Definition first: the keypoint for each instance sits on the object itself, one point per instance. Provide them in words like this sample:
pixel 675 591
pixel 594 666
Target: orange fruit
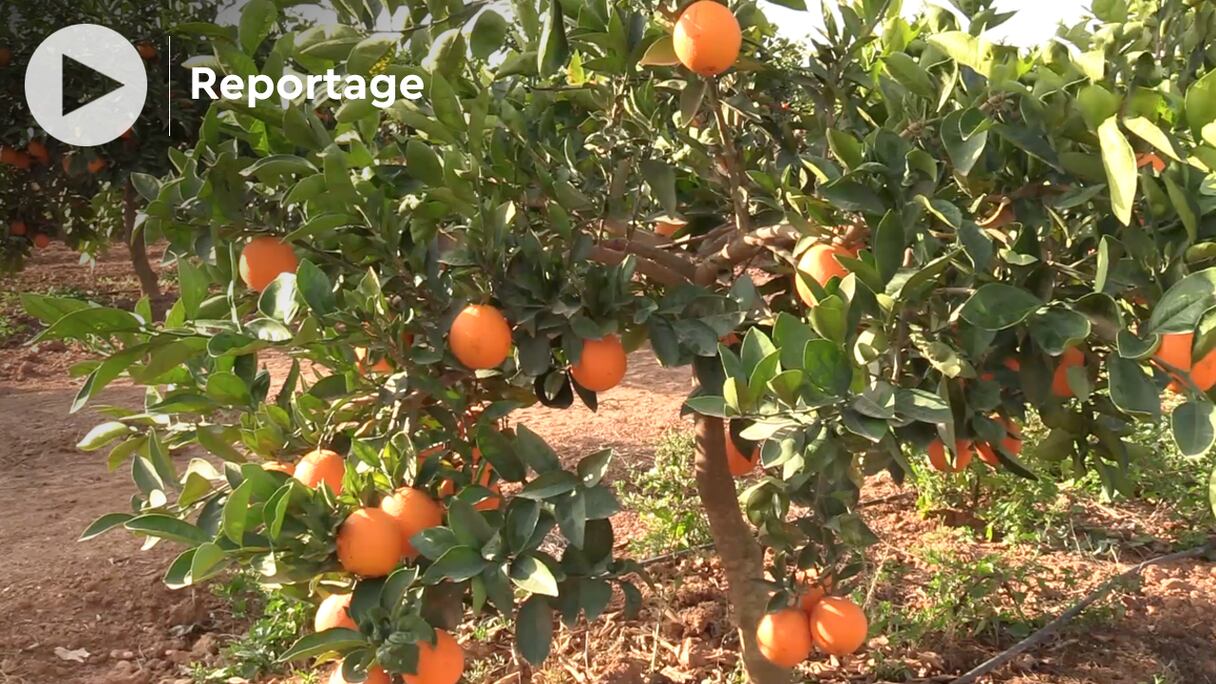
pixel 263 259
pixel 1175 350
pixel 739 464
pixel 439 663
pixel 334 612
pixel 14 157
pixel 38 152
pixel 1150 159
pixel 819 263
pixel 146 50
pixel 129 134
pixel 1203 374
pixel 601 365
pixel 17 228
pixel 381 365
pixel 6 56
pixel 492 502
pixel 784 637
pixel 96 165
pixel 1012 442
pixel 42 241
pixel 375 675
pixel 280 467
pixel 369 543
pixel 707 38
pixel 938 459
pixel 322 466
pixel 838 626
pixel 414 512
pixel 480 337
pixel 1059 381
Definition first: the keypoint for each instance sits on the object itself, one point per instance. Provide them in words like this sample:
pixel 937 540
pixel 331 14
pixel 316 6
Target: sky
pixel 1034 24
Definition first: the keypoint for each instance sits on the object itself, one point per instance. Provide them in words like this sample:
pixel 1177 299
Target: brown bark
pixel 736 545
pixel 138 250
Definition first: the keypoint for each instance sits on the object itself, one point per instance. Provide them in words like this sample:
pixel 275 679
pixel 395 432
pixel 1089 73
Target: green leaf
pixel 709 406
pixel 1149 132
pixel 1119 160
pixel 1131 388
pixel 662 52
pixel 690 99
pixel 964 150
pixel 228 389
pixel 1201 103
pixel 278 300
pixel 102 435
pixel 257 20
pixel 1212 490
pixel 534 623
pixel 554 47
pixel 827 368
pixel 423 163
pixel 921 405
pixel 535 451
pixel 1058 328
pixel 533 576
pixel 316 288
pixel 458 564
pixel 488 35
pixel 662 181
pixel 104 524
pixel 1185 205
pixel 368 51
pixel 1194 427
pixel 280 164
pixel 591 469
pixel 167 527
pixel 548 485
pixel 50 309
pixel 1097 104
pixel 236 512
pixel 337 640
pixel 910 74
pixel 997 306
pixel 965 49
pixel 82 323
pixel 1183 304
pixel 846 148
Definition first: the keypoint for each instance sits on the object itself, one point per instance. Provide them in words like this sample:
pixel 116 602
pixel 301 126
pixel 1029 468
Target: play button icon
pixel 86 85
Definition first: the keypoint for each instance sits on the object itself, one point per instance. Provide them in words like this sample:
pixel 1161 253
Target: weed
pixel 277 622
pixel 665 499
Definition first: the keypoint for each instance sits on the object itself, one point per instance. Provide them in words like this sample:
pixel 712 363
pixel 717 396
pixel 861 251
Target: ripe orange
pixel 17 228
pixel 784 637
pixel 819 263
pixel 1203 374
pixel 333 612
pixel 1175 350
pixel 491 502
pixel 838 626
pixel 96 165
pixel 962 456
pixel 280 467
pixel 1059 381
pixel 414 512
pixel 480 337
pixel 38 152
pixel 146 50
pixel 1148 158
pixel 263 259
pixel 42 241
pixel 739 464
pixel 369 543
pixel 375 675
pixel 1012 444
pixel 322 466
pixel 381 365
pixel 707 38
pixel 601 365
pixel 14 157
pixel 438 663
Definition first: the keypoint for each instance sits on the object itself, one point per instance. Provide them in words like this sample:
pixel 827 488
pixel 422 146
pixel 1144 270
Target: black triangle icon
pixel 83 84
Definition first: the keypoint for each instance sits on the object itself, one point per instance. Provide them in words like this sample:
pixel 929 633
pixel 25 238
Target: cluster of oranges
pixel 37 154
pixel 371 542
pixel 18 228
pixel 479 337
pixel 833 624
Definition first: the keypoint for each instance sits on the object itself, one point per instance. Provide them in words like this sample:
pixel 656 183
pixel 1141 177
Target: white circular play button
pixel 86 85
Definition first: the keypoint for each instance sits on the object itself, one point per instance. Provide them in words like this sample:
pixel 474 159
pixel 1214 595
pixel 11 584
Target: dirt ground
pixel 97 613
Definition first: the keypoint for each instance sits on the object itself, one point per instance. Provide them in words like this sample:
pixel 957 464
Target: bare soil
pixel 97 612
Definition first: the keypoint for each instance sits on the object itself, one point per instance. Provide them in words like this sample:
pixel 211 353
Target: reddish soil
pixel 61 599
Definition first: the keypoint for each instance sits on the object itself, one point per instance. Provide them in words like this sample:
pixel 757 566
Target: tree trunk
pixel 740 553
pixel 138 249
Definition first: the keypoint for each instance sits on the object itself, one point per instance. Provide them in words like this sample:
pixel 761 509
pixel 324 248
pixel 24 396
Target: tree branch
pixel 654 271
pixel 743 247
pixel 672 260
pixel 1052 627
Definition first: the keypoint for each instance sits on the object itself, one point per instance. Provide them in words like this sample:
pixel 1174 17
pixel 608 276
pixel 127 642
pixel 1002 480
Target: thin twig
pixel 1052 627
pixel 676 554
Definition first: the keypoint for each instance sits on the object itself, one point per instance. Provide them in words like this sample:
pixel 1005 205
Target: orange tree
pixel 87 197
pixel 897 242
